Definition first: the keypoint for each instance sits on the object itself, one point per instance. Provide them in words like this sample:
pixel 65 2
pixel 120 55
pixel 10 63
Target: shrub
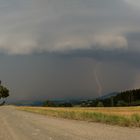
pixel 121 103
pixel 100 104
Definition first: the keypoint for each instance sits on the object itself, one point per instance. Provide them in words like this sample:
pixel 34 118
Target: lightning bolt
pixel 97 80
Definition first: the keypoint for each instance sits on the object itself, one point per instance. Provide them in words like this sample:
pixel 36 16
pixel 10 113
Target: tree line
pixel 124 98
pixel 49 103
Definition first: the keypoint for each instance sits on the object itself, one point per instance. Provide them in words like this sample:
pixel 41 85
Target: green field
pixel 123 116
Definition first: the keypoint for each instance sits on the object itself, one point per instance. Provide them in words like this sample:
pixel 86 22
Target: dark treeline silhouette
pixel 124 98
pixel 49 103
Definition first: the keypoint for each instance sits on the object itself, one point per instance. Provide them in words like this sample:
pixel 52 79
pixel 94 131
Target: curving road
pixel 19 125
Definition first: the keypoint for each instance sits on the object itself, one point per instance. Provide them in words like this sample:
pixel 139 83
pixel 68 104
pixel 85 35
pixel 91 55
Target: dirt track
pixel 19 125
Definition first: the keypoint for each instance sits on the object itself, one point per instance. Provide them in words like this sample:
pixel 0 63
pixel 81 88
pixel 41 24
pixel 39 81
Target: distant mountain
pixel 27 103
pixel 41 103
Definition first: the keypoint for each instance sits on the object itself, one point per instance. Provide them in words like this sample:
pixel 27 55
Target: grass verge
pixel 92 115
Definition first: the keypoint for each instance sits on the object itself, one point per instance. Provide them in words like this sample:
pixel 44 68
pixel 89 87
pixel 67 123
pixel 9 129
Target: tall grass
pixel 85 115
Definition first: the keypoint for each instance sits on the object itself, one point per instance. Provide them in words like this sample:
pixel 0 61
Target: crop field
pixel 123 116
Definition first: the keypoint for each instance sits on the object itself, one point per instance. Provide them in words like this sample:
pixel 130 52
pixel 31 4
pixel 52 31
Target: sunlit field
pixel 123 116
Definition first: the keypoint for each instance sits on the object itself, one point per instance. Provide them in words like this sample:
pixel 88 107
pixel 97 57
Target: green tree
pixel 4 93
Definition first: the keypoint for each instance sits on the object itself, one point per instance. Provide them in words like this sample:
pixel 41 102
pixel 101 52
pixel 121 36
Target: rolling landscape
pixel 115 108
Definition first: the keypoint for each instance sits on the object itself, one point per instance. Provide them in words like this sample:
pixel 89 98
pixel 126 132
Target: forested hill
pixel 124 98
pixel 129 97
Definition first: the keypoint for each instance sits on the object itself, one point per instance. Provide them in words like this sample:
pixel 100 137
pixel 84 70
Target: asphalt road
pixel 20 125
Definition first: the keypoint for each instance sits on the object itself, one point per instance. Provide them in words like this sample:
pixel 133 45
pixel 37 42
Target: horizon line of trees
pixel 124 98
pixel 49 103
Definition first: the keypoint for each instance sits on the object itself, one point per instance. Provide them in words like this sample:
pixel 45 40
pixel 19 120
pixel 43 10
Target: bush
pixel 49 104
pixel 65 105
pixel 100 104
pixel 121 103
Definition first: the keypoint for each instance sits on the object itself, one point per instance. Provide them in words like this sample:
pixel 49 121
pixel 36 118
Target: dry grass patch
pixel 123 116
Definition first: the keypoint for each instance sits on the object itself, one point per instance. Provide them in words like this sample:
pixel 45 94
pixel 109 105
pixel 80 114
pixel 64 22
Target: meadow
pixel 122 116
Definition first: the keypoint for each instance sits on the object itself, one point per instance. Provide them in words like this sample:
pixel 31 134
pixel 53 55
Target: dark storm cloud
pixel 54 48
pixel 63 76
pixel 129 55
pixel 106 56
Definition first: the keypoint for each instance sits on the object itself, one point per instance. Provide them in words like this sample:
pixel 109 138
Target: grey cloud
pixel 58 25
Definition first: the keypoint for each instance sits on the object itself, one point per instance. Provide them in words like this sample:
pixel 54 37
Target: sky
pixel 67 49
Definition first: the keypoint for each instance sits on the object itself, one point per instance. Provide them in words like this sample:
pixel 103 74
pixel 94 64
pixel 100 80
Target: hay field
pixel 123 116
